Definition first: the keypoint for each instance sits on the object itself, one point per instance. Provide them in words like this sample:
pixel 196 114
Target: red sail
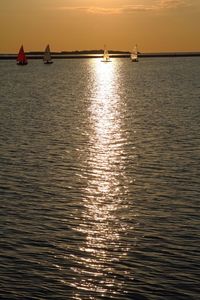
pixel 21 56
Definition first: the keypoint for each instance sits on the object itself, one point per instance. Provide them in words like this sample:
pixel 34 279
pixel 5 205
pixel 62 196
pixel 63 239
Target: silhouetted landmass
pixel 96 54
pixel 79 52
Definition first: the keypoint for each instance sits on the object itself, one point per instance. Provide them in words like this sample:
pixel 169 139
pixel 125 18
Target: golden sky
pixel 155 25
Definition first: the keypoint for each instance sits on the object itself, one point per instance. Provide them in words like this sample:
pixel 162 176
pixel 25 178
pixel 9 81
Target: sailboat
pixel 106 57
pixel 21 58
pixel 134 54
pixel 47 56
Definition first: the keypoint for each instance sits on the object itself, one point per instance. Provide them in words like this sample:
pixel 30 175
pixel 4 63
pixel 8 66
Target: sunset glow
pixel 155 25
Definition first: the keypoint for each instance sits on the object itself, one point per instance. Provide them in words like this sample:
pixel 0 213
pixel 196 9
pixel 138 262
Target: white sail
pixel 106 57
pixel 47 54
pixel 134 54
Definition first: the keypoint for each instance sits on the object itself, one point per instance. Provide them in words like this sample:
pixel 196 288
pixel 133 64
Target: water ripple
pixel 99 180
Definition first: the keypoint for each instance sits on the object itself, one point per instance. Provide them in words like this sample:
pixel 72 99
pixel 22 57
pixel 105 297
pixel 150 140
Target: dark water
pixel 99 176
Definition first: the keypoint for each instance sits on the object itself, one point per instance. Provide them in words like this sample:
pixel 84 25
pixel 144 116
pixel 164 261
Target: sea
pixel 100 179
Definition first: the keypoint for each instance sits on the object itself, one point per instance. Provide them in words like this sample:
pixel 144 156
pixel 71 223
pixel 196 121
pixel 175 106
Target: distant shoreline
pixel 97 54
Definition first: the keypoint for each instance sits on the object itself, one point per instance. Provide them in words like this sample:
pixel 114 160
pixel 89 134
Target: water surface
pixel 99 179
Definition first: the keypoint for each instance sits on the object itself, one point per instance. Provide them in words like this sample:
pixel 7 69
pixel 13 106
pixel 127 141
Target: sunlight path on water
pixel 106 185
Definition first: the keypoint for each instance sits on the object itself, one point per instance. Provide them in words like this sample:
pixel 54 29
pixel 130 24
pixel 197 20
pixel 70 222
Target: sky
pixel 155 25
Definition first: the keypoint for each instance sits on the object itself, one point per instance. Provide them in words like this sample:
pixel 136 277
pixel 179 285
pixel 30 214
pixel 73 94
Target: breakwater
pixel 117 55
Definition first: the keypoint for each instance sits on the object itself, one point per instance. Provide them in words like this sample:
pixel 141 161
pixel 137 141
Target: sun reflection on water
pixel 103 201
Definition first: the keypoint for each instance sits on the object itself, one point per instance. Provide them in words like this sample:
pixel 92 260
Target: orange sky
pixel 155 25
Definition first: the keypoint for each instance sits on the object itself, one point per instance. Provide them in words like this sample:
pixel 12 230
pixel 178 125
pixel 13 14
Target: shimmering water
pixel 99 176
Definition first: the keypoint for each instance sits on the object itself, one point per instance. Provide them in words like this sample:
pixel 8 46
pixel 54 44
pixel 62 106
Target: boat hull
pixel 21 63
pixel 106 60
pixel 48 62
